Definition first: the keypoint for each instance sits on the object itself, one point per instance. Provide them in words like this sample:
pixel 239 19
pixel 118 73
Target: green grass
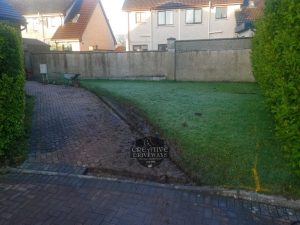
pixel 19 149
pixel 224 130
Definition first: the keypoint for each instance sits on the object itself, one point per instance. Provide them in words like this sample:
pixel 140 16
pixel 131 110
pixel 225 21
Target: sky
pixel 117 18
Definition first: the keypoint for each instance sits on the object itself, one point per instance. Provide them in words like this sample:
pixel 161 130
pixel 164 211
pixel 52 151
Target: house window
pixel 140 17
pixel 67 47
pixel 36 24
pixel 221 12
pixel 165 17
pixel 162 47
pixel 76 18
pixel 93 48
pixel 193 16
pixel 140 48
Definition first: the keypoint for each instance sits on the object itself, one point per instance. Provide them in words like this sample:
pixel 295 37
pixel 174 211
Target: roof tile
pixel 74 31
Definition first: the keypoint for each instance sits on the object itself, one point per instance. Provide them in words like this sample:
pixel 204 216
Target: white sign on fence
pixel 43 69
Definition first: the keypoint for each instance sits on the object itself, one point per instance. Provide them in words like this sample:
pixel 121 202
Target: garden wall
pixel 108 65
pixel 214 44
pixel 202 60
pixel 225 65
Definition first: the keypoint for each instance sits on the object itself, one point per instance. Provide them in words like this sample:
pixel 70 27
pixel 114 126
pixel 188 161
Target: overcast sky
pixel 117 18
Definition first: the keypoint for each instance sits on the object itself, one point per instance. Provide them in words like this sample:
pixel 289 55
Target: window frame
pixel 194 16
pixel 165 15
pixel 140 15
pixel 165 46
pixel 141 48
pixel 222 17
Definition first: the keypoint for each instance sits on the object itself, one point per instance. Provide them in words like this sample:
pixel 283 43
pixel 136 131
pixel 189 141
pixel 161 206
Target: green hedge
pixel 276 67
pixel 11 91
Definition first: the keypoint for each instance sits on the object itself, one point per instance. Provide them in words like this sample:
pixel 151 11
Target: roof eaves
pixel 130 8
pixel 10 14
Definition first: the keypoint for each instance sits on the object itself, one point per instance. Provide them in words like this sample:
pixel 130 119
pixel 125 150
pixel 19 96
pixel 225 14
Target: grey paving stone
pixel 59 200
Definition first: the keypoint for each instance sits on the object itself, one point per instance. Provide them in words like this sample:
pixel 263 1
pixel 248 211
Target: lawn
pixel 224 130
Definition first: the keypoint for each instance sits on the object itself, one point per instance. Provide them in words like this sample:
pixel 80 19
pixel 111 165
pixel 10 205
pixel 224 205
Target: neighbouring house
pixel 86 28
pixel 151 23
pixel 43 17
pixel 252 10
pixel 10 15
pixel 77 25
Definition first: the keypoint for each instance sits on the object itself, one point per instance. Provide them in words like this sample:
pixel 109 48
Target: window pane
pixel 161 18
pixel 169 17
pixel 198 16
pixel 224 12
pixel 143 17
pixel 138 17
pixel 218 13
pixel 221 12
pixel 136 48
pixel 162 47
pixel 189 18
pixel 144 47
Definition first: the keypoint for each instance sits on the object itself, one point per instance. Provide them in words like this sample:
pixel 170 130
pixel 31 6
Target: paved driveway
pixel 59 200
pixel 73 129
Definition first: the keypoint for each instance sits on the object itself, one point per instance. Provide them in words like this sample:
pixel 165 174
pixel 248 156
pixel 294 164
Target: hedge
pixel 11 91
pixel 276 67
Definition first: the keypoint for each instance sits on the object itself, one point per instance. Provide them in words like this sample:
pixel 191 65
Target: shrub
pixel 11 90
pixel 276 67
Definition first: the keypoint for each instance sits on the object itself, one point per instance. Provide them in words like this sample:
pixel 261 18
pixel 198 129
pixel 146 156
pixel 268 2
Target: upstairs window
pixel 36 24
pixel 54 21
pixel 76 18
pixel 221 12
pixel 165 17
pixel 193 16
pixel 140 17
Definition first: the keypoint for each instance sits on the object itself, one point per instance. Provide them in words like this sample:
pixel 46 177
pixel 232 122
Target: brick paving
pixel 32 199
pixel 71 132
pixel 74 128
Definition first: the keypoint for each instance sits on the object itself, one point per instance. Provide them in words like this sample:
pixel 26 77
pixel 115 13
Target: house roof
pixel 135 5
pixel 29 7
pixel 31 41
pixel 248 14
pixel 246 17
pixel 74 31
pixel 8 13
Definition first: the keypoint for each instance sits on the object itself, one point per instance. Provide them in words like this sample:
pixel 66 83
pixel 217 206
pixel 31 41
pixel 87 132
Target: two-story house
pixel 151 23
pixel 77 25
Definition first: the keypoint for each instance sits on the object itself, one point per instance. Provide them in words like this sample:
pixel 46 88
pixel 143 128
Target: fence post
pixel 171 61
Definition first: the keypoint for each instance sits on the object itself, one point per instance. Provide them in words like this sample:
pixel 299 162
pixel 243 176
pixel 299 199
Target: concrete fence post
pixel 171 61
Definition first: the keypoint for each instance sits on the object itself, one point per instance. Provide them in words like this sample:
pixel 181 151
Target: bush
pixel 11 91
pixel 276 67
